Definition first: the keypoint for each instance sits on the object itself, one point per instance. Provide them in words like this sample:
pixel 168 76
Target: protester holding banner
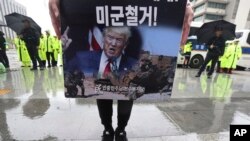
pixel 108 46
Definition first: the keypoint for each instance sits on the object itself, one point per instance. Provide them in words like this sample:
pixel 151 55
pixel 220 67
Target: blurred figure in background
pixel 216 48
pixel 234 54
pixel 223 59
pixel 22 52
pixel 31 39
pixel 56 50
pixel 48 44
pixel 3 56
pixel 42 51
pixel 187 53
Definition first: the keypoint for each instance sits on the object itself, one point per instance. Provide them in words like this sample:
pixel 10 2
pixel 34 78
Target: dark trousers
pixel 208 58
pixel 218 66
pixel 4 59
pixel 44 63
pixel 54 63
pixel 124 109
pixel 50 60
pixel 34 56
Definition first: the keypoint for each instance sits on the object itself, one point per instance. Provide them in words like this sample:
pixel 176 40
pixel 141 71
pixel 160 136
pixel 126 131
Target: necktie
pixel 107 69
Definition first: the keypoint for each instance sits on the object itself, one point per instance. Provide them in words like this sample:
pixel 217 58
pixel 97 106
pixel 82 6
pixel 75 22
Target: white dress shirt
pixel 104 62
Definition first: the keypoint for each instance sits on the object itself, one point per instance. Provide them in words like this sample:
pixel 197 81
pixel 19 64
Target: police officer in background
pixel 56 50
pixel 31 39
pixel 42 51
pixel 3 56
pixel 216 47
pixel 22 51
pixel 187 53
pixel 49 46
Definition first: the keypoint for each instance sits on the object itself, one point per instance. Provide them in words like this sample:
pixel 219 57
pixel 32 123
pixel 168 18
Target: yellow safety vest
pixel 48 43
pixel 188 48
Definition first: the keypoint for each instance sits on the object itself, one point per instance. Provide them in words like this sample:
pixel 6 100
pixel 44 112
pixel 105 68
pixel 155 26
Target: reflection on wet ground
pixel 200 109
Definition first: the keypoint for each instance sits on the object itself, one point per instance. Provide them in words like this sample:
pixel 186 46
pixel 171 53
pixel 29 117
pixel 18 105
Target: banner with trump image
pixel 120 49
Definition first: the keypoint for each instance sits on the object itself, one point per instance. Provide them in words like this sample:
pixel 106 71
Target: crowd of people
pixel 31 47
pixel 48 50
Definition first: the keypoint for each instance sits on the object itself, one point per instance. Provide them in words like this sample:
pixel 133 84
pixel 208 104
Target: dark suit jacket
pixel 2 43
pixel 89 61
pixel 30 37
pixel 219 44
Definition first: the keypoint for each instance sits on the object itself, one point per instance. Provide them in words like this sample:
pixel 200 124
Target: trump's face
pixel 114 44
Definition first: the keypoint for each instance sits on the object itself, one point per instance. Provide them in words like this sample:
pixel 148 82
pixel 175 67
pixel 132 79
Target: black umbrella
pixel 206 31
pixel 15 22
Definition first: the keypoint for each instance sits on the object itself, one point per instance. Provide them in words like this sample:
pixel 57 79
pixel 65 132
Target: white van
pixel 244 37
pixel 198 51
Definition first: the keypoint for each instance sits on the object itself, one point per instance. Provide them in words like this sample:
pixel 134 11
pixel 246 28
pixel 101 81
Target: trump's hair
pixel 120 30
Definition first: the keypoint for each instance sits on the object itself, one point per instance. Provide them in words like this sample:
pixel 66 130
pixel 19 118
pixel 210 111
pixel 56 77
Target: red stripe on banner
pixel 94 43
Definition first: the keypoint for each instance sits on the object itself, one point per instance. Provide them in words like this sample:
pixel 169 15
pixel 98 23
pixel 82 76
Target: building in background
pixel 235 11
pixel 7 7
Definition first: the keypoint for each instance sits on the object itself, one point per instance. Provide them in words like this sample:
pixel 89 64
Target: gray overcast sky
pixel 38 10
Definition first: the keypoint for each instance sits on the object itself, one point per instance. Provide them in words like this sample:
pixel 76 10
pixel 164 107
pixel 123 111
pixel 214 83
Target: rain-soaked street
pixel 33 107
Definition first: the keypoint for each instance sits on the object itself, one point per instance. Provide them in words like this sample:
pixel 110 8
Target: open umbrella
pixel 15 22
pixel 206 31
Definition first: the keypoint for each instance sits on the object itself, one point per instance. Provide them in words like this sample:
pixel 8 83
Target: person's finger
pixel 66 32
pixel 66 46
pixel 68 43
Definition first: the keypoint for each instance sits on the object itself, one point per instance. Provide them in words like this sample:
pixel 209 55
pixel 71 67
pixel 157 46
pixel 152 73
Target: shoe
pixel 197 75
pixel 41 68
pixel 108 135
pixel 120 135
pixel 49 66
pixel 33 69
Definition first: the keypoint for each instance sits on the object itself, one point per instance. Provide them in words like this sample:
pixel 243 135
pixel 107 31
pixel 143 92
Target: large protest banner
pixel 120 49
